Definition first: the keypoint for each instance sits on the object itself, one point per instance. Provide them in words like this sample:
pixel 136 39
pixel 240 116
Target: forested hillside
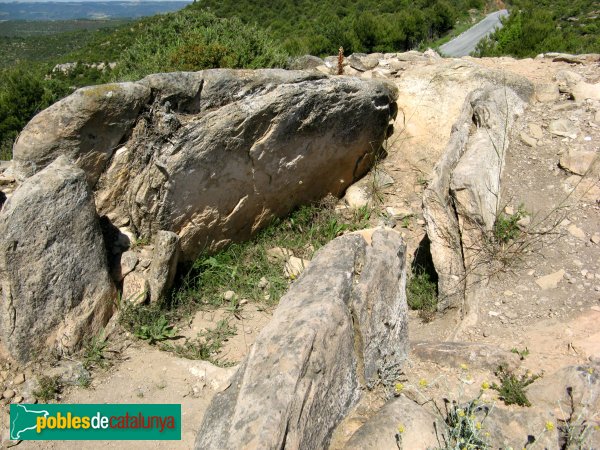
pixel 538 26
pixel 320 28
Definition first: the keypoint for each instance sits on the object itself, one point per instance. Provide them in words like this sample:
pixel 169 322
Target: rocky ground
pixel 545 300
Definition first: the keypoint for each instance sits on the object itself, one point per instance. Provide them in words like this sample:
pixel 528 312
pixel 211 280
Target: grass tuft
pixel 48 388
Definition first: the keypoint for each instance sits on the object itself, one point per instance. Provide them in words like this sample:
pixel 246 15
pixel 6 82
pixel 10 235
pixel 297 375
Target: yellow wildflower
pixel 549 426
pixel 401 429
pixel 460 413
pixel 399 387
pixel 464 367
pixel 485 385
pixel 478 425
pixel 423 382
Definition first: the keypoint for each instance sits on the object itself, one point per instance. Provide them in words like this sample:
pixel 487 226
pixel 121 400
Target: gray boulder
pixel 56 287
pixel 305 62
pixel 262 143
pixel 363 62
pixel 86 126
pixel 383 430
pixel 163 267
pixel 461 202
pixel 341 328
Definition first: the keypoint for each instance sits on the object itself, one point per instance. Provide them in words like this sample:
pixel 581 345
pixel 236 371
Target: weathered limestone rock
pixel 551 280
pixel 216 154
pixel 363 62
pixel 528 140
pixel 341 326
pixel 86 126
pixel 56 288
pixel 263 143
pixel 461 201
pixel 294 267
pixel 536 131
pixel 575 85
pixel 127 264
pixel 563 127
pixel 430 100
pixel 547 92
pixel 136 288
pixel 455 354
pixel 577 161
pixel 164 264
pixel 357 197
pixel 380 432
pixel 305 62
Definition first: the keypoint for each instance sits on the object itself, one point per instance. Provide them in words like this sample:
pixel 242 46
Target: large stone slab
pixel 260 144
pixel 461 202
pixel 340 328
pixel 86 126
pixel 56 288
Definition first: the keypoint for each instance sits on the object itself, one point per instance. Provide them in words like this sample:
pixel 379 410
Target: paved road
pixel 467 41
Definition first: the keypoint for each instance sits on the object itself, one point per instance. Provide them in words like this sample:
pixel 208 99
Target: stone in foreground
pixel 56 288
pixel 341 326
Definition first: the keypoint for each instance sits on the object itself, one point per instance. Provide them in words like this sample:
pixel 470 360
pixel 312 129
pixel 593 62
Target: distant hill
pixel 85 10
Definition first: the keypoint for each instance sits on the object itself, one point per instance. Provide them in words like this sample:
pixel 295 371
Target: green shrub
pixel 512 387
pixel 192 39
pixel 542 26
pixel 206 345
pixel 506 227
pixel 421 294
pixel 48 388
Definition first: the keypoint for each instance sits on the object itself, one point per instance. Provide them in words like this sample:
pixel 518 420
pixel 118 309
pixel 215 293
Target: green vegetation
pixel 506 226
pixel 240 267
pixel 244 268
pixel 48 388
pixel 206 345
pixel 539 26
pixel 249 34
pixel 421 294
pixel 192 39
pixel 512 387
pixel 522 353
pixel 149 323
pixel 93 352
pixel 35 41
pixel 463 428
pixel 189 39
pixel 320 28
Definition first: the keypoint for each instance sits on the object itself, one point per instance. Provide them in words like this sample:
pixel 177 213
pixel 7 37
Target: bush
pixel 23 93
pixel 421 294
pixel 543 26
pixel 194 40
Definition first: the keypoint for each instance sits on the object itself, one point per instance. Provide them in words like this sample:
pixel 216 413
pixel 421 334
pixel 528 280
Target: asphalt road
pixel 465 43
